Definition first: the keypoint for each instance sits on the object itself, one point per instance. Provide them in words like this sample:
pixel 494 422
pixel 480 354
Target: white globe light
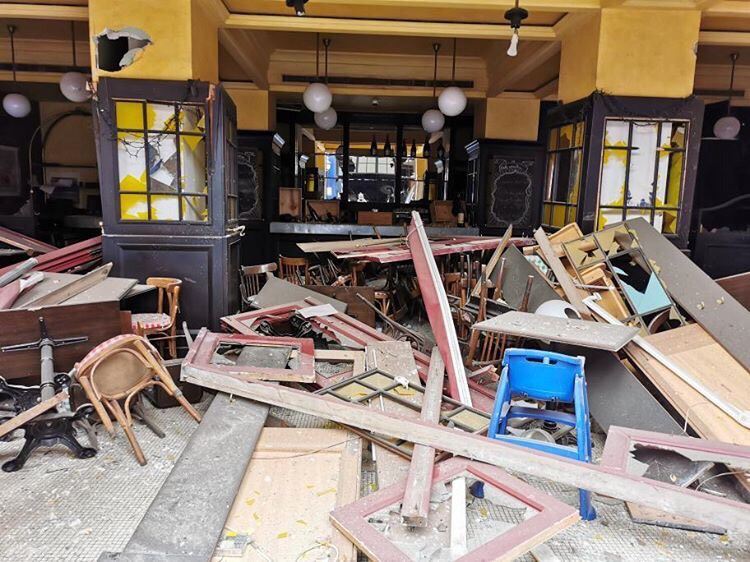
pixel 452 101
pixel 73 87
pixel 433 121
pixel 17 105
pixel 727 127
pixel 326 120
pixel 317 97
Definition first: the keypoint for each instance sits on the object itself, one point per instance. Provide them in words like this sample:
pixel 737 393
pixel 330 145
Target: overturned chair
pixel 119 369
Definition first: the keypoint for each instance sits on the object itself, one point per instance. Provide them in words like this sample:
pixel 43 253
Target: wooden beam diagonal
pixel 248 53
pixel 501 81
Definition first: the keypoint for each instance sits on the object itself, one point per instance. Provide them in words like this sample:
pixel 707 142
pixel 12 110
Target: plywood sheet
pixel 277 291
pixel 517 269
pixel 294 479
pixel 585 333
pixel 110 289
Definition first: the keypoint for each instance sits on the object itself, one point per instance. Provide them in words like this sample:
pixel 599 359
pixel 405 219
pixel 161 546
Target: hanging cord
pixel 12 31
pixel 73 40
pixel 326 44
pixel 436 48
pixel 317 56
pixel 453 70
pixel 734 57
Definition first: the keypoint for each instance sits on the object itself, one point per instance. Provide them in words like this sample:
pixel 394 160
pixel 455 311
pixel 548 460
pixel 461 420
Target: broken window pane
pixel 192 119
pixel 131 161
pixel 162 163
pixel 161 117
pixel 193 164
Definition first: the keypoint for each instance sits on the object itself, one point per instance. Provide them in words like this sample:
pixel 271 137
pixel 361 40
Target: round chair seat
pixel 150 321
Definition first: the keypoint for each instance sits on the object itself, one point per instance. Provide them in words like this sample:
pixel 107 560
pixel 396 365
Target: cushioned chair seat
pixel 150 320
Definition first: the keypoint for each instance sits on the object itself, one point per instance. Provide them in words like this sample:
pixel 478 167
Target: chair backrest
pixel 169 287
pixel 253 277
pixel 294 270
pixel 542 375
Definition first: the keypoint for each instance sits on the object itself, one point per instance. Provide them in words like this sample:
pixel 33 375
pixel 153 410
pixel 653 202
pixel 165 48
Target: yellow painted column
pixel 182 38
pixel 507 118
pixel 631 52
pixel 256 109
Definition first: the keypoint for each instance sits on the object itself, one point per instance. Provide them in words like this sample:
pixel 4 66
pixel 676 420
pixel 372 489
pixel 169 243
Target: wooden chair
pixel 118 370
pixel 295 270
pixel 252 279
pixel 164 320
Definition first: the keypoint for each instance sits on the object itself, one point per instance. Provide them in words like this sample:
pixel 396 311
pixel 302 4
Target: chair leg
pixel 498 420
pixel 171 388
pixel 583 436
pixel 116 409
pixel 96 403
pixel 173 341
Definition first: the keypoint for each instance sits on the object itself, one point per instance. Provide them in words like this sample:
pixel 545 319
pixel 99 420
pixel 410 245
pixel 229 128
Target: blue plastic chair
pixel 549 377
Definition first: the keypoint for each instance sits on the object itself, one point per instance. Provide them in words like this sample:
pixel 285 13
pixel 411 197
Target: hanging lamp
pixel 404 150
pixel 432 119
pixel 326 119
pixel 317 97
pixel 413 153
pixel 452 100
pixel 728 127
pixel 387 150
pixel 298 6
pixel 15 105
pixel 426 148
pixel 374 146
pixel 73 84
pixel 515 16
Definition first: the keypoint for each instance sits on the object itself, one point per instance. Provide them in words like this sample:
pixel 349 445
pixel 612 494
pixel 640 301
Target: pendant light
pixel 433 120
pixel 298 6
pixel 426 148
pixel 515 16
pixel 413 148
pixel 452 100
pixel 387 150
pixel 728 127
pixel 15 105
pixel 327 119
pixel 404 149
pixel 317 97
pixel 73 84
pixel 374 147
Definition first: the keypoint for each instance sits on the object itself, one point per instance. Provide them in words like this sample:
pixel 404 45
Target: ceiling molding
pixel 548 90
pixel 248 53
pixel 384 91
pixel 351 26
pixel 499 5
pixel 727 38
pixel 44 12
pixel 501 81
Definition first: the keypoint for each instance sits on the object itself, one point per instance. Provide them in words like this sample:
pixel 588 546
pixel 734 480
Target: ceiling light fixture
pixel 515 16
pixel 387 150
pixel 413 153
pixel 327 119
pixel 317 97
pixel 73 84
pixel 452 100
pixel 728 127
pixel 16 105
pixel 374 146
pixel 432 119
pixel 298 5
pixel 426 148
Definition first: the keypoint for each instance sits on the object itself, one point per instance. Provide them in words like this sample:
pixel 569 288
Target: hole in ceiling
pixel 119 48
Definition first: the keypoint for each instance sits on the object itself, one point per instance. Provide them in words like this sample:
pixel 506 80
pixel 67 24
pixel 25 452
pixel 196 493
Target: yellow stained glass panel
pixel 558 216
pixel 165 208
pixel 129 115
pixel 133 207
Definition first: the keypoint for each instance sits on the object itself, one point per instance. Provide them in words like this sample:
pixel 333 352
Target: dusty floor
pixel 61 509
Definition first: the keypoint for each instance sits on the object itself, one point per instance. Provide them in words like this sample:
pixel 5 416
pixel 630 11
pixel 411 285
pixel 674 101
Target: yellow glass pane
pixel 616 133
pixel 133 207
pixel 131 161
pixel 193 164
pixel 195 208
pixel 572 214
pixel 547 214
pixel 669 222
pixel 674 181
pixel 192 119
pixel 165 208
pixel 558 216
pixel 576 163
pixel 161 117
pixel 578 135
pixel 552 140
pixel 129 114
pixel 673 135
pixel 566 136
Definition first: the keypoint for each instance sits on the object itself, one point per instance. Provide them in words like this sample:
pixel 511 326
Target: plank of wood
pixel 294 479
pixel 416 504
pixel 585 333
pixel 277 291
pixel 344 245
pixel 494 259
pixel 738 286
pixel 438 309
pixel 561 274
pixel 725 319
pixel 393 357
pixel 27 415
pixel 348 295
pixel 459 540
pixel 356 358
pixel 109 289
pixel 517 271
pixel 26 243
pixel 83 283
pixel 609 482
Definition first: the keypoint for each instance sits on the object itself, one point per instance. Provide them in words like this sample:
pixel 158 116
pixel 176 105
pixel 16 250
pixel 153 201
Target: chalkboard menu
pixel 250 183
pixel 510 191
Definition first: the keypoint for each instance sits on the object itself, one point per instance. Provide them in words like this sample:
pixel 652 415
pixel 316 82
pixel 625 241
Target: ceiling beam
pixel 44 12
pixel 248 53
pixel 502 81
pixel 384 27
pixel 371 91
pixel 499 5
pixel 725 38
pixel 729 9
pixel 547 89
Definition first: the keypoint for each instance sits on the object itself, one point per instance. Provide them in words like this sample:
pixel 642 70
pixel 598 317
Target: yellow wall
pixel 70 142
pixel 184 38
pixel 507 119
pixel 256 109
pixel 578 61
pixel 648 52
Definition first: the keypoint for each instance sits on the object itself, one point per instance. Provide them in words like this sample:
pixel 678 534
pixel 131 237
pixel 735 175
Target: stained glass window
pixel 563 179
pixel 161 157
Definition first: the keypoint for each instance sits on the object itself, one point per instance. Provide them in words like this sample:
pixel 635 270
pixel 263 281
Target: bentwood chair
pixel 164 320
pixel 294 270
pixel 252 279
pixel 118 370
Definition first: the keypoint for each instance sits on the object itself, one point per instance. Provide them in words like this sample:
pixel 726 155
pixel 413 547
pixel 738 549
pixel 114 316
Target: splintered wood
pixel 294 479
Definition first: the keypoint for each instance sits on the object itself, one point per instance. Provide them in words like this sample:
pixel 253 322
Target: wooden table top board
pixel 277 291
pixel 585 333
pixel 517 269
pixel 110 289
pixel 702 298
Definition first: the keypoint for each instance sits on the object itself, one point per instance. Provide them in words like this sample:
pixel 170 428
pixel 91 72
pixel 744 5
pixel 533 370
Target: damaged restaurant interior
pixel 349 280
